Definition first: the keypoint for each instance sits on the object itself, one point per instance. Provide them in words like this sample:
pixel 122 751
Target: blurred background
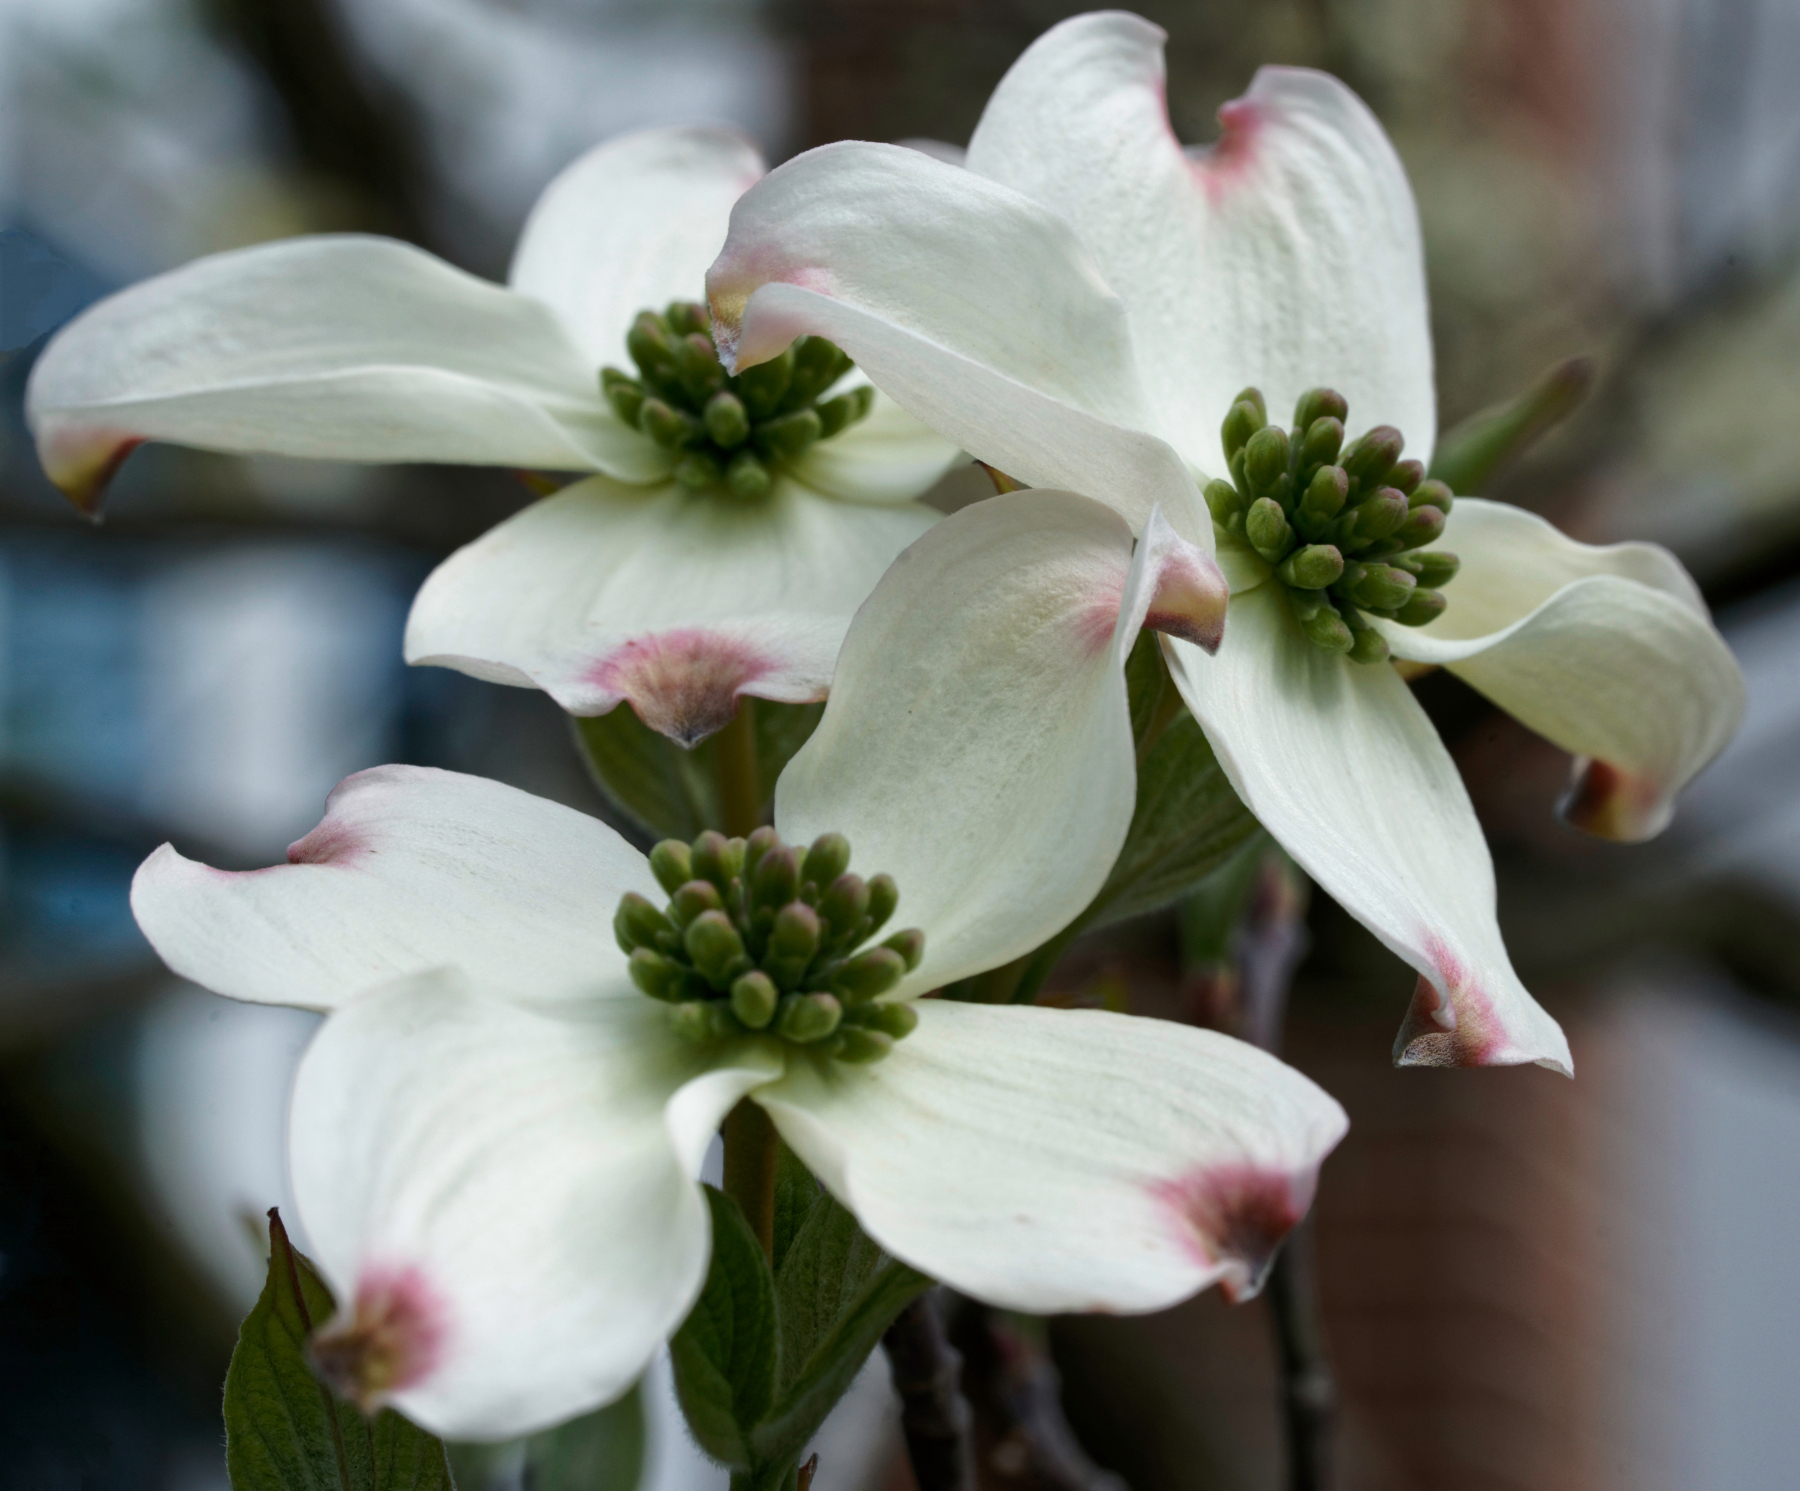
pixel 1527 1282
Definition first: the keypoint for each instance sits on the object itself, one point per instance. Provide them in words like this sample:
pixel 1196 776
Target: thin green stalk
pixel 751 1149
pixel 740 787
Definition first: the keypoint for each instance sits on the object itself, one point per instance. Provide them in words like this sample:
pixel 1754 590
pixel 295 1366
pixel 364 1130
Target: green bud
pixel 884 896
pixel 1377 587
pixel 671 862
pixel 697 364
pixel 1267 528
pixel 860 1045
pixel 1320 621
pixel 871 972
pixel 693 898
pixel 1370 457
pixel 1423 525
pixel 1434 568
pixel 715 947
pixel 1324 439
pixel 716 858
pixel 787 436
pixel 669 426
pixel 1224 501
pixel 1406 476
pixel 1421 606
pixel 827 859
pixel 698 470
pixel 817 365
pixel 1266 461
pixel 805 1018
pixel 656 975
pixel 910 944
pixel 702 1020
pixel 747 477
pixel 626 395
pixel 897 1020
pixel 638 923
pixel 793 942
pixel 776 877
pixel 1376 517
pixel 1324 497
pixel 846 409
pixel 844 905
pixel 1432 493
pixel 763 387
pixel 756 846
pixel 1311 568
pixel 1320 403
pixel 726 419
pixel 652 349
pixel 686 317
pixel 753 999
pixel 1244 420
pixel 1368 646
pixel 1253 397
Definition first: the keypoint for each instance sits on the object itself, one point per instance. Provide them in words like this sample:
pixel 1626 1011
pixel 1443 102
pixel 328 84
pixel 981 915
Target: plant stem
pixel 750 1153
pixel 934 1415
pixel 1309 1391
pixel 740 786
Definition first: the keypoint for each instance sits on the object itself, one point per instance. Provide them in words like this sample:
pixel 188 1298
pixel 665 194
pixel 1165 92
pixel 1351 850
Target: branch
pixel 934 1415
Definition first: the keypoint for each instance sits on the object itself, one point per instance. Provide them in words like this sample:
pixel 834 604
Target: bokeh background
pixel 1527 1282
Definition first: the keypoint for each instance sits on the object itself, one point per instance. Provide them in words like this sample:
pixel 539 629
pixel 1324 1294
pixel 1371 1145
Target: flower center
pixel 1346 527
pixel 732 432
pixel 759 937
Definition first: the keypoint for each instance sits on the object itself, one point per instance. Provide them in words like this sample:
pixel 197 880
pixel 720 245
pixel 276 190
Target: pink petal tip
pixel 1233 1217
pixel 1609 803
pixel 392 1340
pixel 683 683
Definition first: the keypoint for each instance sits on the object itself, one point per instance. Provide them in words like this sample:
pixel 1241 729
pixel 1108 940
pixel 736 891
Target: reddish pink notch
pixel 683 683
pixel 394 1338
pixel 1233 1217
pixel 1612 804
pixel 1229 159
pixel 1457 1028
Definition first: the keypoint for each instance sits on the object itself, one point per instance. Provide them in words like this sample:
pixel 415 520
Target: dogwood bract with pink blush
pixel 624 586
pixel 1081 306
pixel 496 1134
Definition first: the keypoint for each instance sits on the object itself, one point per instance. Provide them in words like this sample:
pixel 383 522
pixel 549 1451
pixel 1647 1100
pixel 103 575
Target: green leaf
pixel 797 1195
pixel 284 1429
pixel 674 792
pixel 725 1352
pixel 836 1294
pixel 1469 454
pixel 601 1451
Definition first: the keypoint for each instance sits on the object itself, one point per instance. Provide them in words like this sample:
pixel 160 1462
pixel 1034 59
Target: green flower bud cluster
pixel 732 433
pixel 758 937
pixel 1345 526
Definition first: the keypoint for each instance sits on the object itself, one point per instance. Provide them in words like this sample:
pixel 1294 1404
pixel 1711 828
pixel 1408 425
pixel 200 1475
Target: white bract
pixel 496 1135
pixel 623 586
pixel 1081 305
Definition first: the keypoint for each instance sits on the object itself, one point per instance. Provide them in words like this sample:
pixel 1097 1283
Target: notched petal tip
pixel 1233 1218
pixel 1609 803
pixel 683 683
pixel 83 463
pixel 392 1340
pixel 1453 1021
pixel 1190 599
pixel 328 844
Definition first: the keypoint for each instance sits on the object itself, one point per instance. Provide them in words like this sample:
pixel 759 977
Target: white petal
pixel 674 601
pixel 1286 256
pixel 977 745
pixel 411 868
pixel 1339 762
pixel 976 309
pixel 1607 652
pixel 356 349
pixel 529 1251
pixel 1052 1160
pixel 887 457
pixel 631 226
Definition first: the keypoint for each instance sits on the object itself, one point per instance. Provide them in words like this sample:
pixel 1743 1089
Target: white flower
pixel 495 1135
pixel 627 585
pixel 1081 305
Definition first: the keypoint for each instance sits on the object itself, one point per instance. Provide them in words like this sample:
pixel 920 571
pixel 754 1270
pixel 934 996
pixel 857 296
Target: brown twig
pixel 934 1415
pixel 1309 1390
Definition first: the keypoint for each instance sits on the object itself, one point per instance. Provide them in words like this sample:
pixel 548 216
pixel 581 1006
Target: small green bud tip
pixel 1349 518
pixel 730 434
pixel 751 944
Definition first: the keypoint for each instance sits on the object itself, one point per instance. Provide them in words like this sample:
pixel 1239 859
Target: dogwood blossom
pixel 496 1133
pixel 627 585
pixel 1083 304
